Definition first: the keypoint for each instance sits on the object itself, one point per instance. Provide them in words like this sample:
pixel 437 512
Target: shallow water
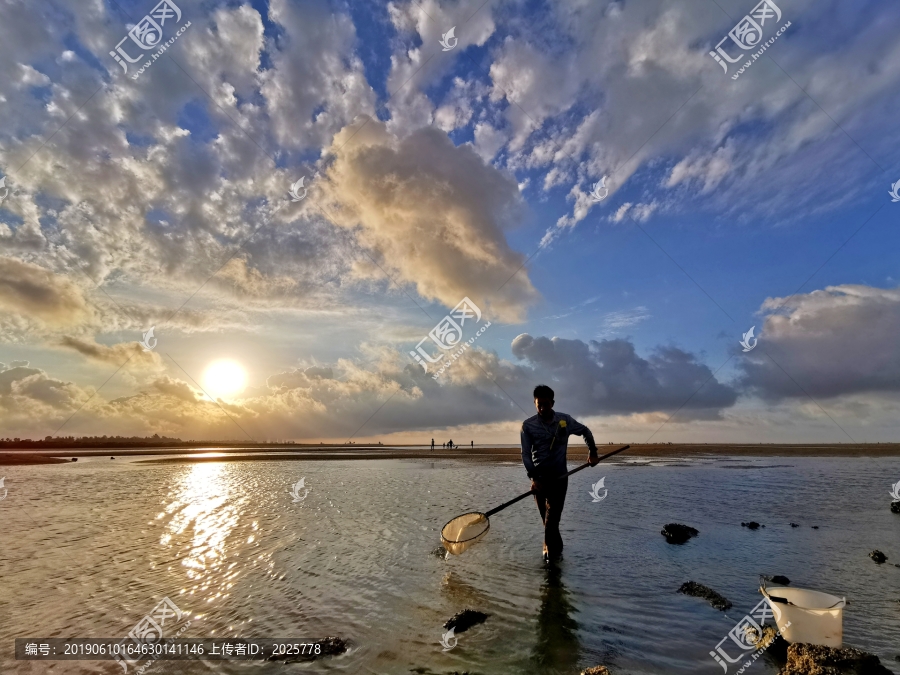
pixel 89 548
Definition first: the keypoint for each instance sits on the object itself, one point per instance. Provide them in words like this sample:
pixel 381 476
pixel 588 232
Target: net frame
pixel 457 547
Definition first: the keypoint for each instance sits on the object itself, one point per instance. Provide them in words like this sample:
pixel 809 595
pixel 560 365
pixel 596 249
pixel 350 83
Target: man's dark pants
pixel 550 501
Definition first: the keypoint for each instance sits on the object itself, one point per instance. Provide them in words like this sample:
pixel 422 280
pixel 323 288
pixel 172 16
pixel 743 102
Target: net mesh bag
pixel 464 531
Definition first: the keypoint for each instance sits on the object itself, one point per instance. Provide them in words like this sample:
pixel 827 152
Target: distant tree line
pixel 91 441
pixel 115 442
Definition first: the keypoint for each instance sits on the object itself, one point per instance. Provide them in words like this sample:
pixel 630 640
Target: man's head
pixel 543 401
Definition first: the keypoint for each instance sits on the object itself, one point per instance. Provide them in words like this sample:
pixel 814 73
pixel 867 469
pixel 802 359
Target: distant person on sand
pixel 545 438
pixel 473 444
pixel 450 444
pixel 432 445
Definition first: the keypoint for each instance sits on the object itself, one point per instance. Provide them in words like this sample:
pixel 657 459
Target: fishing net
pixel 464 531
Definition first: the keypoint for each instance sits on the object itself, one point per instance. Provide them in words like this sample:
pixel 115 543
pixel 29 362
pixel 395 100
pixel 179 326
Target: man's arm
pixel 526 452
pixel 577 428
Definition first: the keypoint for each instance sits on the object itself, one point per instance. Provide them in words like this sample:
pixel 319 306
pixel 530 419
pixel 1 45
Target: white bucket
pixel 812 617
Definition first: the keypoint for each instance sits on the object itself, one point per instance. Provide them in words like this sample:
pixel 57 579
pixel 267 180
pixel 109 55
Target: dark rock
pixel 696 590
pixel 778 579
pixel 815 527
pixel 878 556
pixel 678 534
pixel 753 525
pixel 331 646
pixel 596 670
pixel 74 459
pixel 464 620
pixel 771 641
pixel 794 525
pixel 806 659
pixel 112 457
pixel 895 507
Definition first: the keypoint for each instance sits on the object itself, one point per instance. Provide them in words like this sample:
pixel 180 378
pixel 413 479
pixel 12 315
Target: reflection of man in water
pixel 556 649
pixel 545 438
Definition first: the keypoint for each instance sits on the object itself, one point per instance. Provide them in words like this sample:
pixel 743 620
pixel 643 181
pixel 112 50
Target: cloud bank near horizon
pixel 812 338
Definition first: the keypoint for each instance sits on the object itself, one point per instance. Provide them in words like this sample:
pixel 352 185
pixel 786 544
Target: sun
pixel 224 378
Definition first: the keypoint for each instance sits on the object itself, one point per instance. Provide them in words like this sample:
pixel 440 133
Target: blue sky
pixel 435 169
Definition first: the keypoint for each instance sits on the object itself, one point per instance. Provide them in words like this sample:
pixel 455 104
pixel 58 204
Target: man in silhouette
pixel 545 438
pixel 432 445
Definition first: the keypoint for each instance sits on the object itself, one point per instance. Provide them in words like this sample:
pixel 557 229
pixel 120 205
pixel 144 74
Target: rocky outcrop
pixel 771 640
pixel 696 590
pixel 678 534
pixel 804 659
pixel 596 670
pixel 878 556
pixel 779 579
pixel 895 507
pixel 753 525
pixel 464 620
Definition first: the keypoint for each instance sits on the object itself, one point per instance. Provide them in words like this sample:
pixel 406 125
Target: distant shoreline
pixel 252 452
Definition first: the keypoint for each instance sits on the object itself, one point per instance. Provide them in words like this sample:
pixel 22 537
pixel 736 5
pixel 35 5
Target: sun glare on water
pixel 224 378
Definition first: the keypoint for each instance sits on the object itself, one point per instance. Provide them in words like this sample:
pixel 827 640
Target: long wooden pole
pixel 576 470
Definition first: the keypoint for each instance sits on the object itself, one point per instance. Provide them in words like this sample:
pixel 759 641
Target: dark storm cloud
pixel 609 377
pixel 838 341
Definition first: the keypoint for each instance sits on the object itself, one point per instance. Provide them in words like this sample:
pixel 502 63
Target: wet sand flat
pixel 214 453
pixel 25 458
